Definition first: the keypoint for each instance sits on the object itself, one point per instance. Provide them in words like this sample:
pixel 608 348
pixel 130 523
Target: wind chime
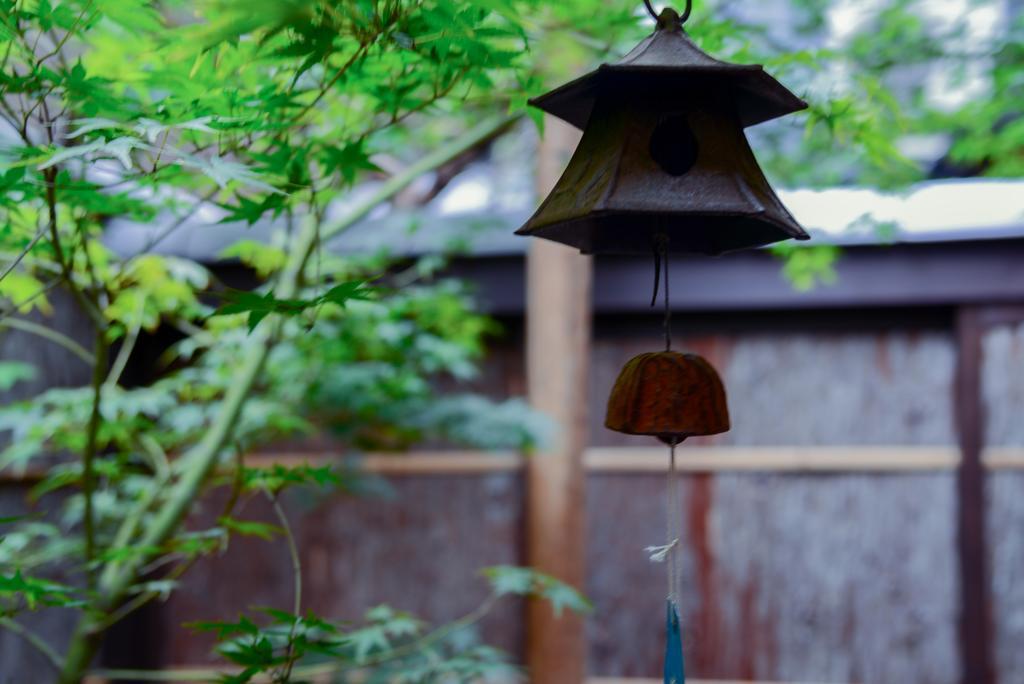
pixel 664 168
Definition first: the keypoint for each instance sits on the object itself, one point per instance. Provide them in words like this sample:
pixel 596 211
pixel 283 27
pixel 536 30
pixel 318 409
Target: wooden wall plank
pixel 1003 397
pixel 557 361
pixel 803 459
pixel 1003 458
pixel 1005 521
pixel 411 463
pixel 827 459
pixel 830 458
pixel 975 620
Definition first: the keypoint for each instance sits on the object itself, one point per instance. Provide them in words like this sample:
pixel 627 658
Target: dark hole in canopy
pixel 673 146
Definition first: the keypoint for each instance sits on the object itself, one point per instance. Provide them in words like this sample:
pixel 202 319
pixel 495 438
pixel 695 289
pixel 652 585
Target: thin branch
pixel 49 334
pixel 160 151
pixel 139 600
pixel 51 205
pixel 486 130
pixel 342 70
pixel 5 115
pixel 57 47
pixel 438 634
pixel 28 113
pixel 39 263
pixel 399 118
pixel 178 223
pixel 161 464
pixel 21 255
pixel 126 609
pixel 127 346
pixel 31 637
pixel 293 551
pixel 99 370
pixel 98 289
pixel 131 521
pixel 14 308
pixel 130 524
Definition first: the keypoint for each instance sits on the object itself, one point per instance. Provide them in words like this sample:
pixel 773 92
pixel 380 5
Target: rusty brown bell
pixel 668 395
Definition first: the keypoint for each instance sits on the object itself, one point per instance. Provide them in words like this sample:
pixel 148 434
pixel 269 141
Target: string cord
pixel 667 323
pixel 672 527
pixel 660 262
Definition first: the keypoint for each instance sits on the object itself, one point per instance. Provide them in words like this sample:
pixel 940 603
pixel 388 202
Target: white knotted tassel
pixel 659 554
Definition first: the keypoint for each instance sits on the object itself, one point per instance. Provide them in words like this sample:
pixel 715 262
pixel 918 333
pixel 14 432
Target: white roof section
pixel 932 211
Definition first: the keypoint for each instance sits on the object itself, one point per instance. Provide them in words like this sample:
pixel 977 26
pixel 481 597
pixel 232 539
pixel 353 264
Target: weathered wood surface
pixel 801 389
pixel 419 550
pixel 55 367
pixel 1003 386
pixel 790 578
pixel 558 281
pixel 17 658
pixel 780 459
pixel 974 621
pixel 1006 567
pixel 1003 394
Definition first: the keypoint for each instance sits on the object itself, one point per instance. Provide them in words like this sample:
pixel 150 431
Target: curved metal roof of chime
pixel 473 210
pixel 669 59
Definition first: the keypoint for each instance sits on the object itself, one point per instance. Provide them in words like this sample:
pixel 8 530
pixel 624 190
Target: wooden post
pixel 975 624
pixel 557 356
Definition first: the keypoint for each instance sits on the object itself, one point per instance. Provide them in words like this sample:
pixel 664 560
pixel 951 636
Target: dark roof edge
pixel 867 276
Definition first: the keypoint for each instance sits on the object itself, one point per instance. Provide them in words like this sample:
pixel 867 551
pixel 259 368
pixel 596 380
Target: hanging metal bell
pixel 663 153
pixel 668 395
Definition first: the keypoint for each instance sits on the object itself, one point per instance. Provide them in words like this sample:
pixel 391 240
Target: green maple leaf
pixel 37 591
pixel 348 161
pixel 366 640
pixel 224 629
pixel 260 306
pixel 252 211
pixel 345 292
pixel 13 372
pixel 251 528
pixel 506 579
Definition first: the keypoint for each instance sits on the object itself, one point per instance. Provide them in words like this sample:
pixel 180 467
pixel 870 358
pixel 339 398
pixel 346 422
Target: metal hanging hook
pixel 658 17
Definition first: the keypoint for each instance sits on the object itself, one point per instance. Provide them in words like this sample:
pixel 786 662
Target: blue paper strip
pixel 675 670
